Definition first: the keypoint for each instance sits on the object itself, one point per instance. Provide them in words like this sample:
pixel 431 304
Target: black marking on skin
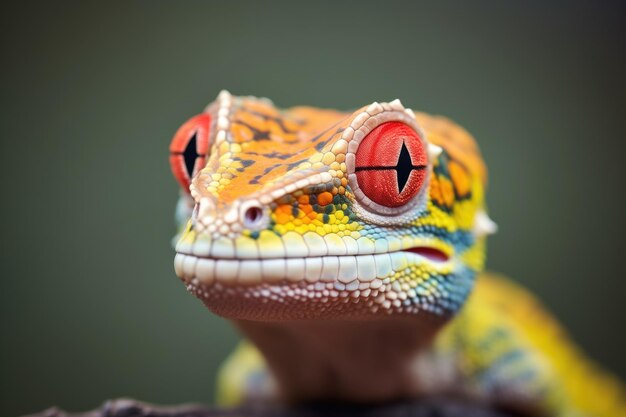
pixel 258 135
pixel 247 162
pixel 295 164
pixel 318 188
pixel 278 155
pixel 266 171
pixel 321 145
pixel 323 132
pixel 276 119
pixel 442 167
pixel 459 196
pixel 269 169
pixel 441 170
pixel 257 178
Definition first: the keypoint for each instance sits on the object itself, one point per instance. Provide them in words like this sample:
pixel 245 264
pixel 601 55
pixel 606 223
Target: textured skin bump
pixel 355 280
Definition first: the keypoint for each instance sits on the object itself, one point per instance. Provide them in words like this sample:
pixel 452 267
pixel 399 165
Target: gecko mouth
pixel 432 254
pixel 344 270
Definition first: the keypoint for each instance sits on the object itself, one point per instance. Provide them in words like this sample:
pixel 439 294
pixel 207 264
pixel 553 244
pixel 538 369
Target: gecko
pixel 348 248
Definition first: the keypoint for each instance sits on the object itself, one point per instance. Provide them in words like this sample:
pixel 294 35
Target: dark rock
pixel 424 408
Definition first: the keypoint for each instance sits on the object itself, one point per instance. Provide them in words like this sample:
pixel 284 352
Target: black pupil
pixel 404 167
pixel 190 154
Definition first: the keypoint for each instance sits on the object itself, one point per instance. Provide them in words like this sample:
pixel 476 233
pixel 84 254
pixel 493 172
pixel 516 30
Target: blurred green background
pixel 91 94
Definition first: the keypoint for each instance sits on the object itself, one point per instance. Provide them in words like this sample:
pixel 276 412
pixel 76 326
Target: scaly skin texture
pixel 345 247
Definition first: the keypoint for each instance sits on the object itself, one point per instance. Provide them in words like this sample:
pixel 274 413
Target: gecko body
pixel 348 248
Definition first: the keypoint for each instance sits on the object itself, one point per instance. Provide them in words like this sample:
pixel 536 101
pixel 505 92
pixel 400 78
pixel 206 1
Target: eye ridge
pixel 403 167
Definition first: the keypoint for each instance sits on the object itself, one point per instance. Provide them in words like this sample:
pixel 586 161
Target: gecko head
pixel 309 213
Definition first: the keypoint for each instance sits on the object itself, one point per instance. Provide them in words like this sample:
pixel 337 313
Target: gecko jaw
pixel 347 286
pixel 346 270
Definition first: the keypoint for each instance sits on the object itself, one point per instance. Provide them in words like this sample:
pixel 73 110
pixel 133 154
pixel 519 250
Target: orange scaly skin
pixel 348 248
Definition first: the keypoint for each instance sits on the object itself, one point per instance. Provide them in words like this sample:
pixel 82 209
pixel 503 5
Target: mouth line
pixel 344 270
pixel 431 253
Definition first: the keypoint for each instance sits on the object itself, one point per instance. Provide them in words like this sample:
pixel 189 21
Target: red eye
pixel 391 164
pixel 189 149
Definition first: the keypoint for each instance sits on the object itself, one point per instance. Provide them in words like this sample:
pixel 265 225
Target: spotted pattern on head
pixel 279 224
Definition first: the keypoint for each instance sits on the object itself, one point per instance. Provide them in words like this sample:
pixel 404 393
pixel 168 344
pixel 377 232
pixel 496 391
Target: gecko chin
pixel 329 287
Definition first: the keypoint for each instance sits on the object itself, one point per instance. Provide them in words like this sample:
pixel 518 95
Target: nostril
pixel 252 216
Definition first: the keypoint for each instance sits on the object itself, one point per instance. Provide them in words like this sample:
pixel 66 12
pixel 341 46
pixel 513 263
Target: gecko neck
pixel 356 361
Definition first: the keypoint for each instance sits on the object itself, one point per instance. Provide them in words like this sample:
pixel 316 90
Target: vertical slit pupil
pixel 404 167
pixel 190 154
